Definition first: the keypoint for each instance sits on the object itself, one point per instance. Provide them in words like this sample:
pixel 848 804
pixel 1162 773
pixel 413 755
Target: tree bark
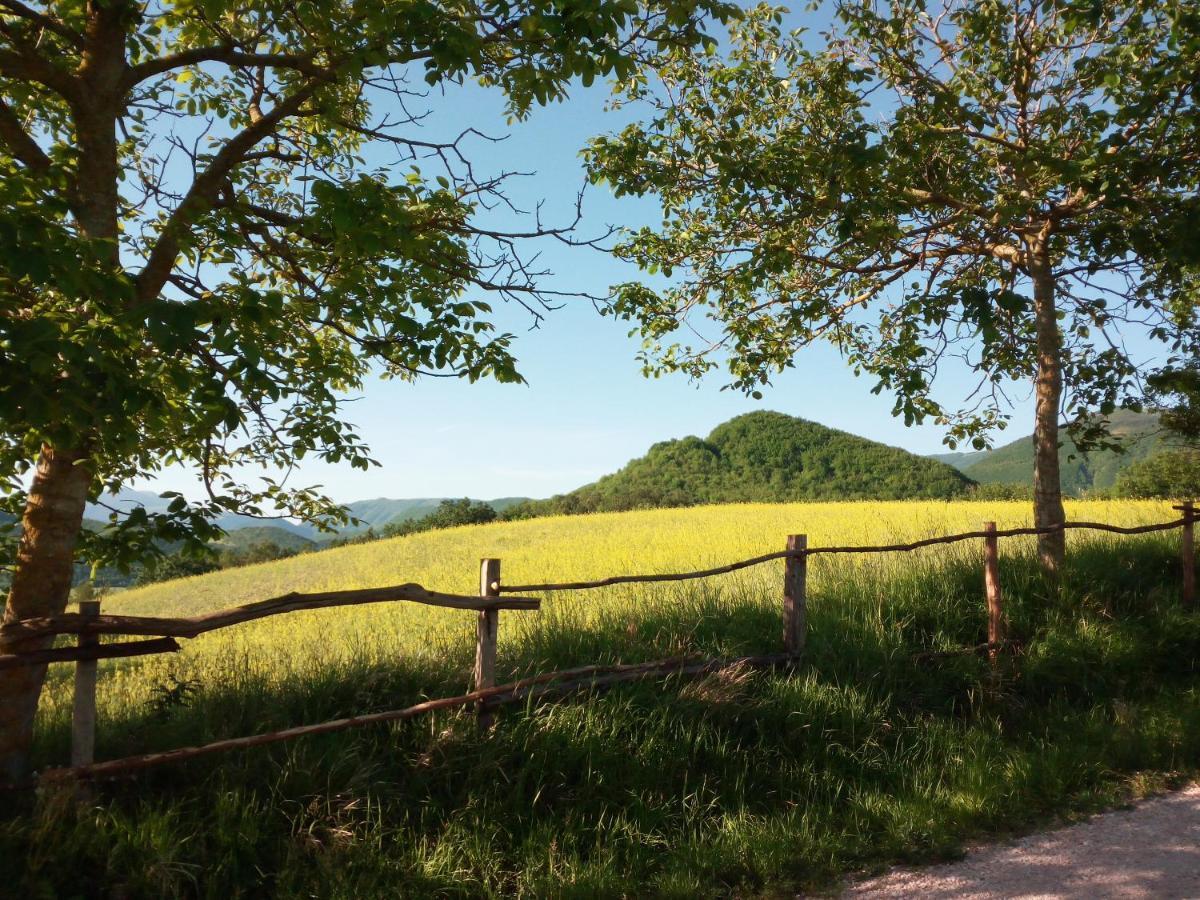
pixel 41 585
pixel 53 516
pixel 1047 483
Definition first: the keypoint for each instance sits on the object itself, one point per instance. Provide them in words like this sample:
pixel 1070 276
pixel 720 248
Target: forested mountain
pixel 1140 436
pixel 761 456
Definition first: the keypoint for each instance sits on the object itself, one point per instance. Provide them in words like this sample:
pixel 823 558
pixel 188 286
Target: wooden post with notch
pixel 991 584
pixel 795 595
pixel 1187 555
pixel 83 713
pixel 485 643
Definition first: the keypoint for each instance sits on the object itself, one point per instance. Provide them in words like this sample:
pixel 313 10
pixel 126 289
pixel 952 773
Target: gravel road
pixel 1150 850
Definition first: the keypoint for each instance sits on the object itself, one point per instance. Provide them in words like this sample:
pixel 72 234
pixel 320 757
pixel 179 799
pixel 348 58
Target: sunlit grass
pixel 868 752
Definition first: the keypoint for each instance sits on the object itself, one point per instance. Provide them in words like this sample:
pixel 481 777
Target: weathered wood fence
pixel 32 635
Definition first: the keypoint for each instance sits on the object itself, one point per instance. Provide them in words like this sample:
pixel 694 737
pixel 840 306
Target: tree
pixel 1008 184
pixel 1169 474
pixel 176 565
pixel 201 250
pixel 449 513
pixel 1175 391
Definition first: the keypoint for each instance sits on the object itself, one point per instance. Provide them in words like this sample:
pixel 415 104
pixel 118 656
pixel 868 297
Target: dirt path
pixel 1151 850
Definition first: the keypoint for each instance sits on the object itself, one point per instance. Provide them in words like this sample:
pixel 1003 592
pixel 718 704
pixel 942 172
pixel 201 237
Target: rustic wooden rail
pixel 539 686
pixel 813 551
pixel 88 625
pixel 78 623
pixel 115 650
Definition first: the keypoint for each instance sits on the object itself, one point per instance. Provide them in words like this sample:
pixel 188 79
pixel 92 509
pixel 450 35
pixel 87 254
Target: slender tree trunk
pixel 40 587
pixel 1047 482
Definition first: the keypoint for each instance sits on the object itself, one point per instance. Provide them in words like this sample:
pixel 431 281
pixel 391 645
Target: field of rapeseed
pixel 868 752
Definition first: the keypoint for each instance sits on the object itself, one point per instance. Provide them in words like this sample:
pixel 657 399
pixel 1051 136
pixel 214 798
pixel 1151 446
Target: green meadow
pixel 877 748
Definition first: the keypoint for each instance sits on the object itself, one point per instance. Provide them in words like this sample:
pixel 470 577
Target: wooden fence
pixel 89 624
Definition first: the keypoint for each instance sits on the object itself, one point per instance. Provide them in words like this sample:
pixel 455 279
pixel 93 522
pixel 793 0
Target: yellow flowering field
pixel 289 647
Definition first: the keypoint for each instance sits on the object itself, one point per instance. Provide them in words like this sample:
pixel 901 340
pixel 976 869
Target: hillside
pixel 373 513
pixel 1139 434
pixel 866 751
pixel 384 510
pixel 761 457
pixel 552 548
pixel 250 536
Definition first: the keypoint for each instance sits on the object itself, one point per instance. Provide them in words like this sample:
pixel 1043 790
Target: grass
pixel 739 783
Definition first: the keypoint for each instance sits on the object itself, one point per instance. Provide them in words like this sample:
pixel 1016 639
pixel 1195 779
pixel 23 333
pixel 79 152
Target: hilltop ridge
pixel 1140 435
pixel 761 457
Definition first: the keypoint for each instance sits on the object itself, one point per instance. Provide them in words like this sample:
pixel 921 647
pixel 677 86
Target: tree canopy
pixel 197 259
pixel 216 218
pixel 1008 185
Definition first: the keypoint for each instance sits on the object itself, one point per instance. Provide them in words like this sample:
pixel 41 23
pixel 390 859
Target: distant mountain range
pixel 1139 434
pixel 372 513
pixel 761 457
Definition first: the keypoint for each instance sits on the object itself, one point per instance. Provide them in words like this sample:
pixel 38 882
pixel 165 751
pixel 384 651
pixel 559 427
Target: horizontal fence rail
pixel 813 551
pixel 115 650
pixel 89 624
pixel 71 623
pixel 533 688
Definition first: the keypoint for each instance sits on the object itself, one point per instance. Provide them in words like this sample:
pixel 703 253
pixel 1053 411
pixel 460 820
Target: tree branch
pixel 17 8
pixel 23 147
pixel 205 190
pixel 228 54
pixel 24 65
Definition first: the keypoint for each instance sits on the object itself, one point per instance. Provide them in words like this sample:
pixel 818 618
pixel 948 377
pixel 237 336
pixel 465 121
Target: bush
pixel 176 566
pixel 448 514
pixel 1172 474
pixel 1002 491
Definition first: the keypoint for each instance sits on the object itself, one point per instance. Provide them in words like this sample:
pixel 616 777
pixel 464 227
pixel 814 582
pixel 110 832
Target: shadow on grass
pixel 736 782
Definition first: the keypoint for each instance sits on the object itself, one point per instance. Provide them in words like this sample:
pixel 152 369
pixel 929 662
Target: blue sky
pixel 586 409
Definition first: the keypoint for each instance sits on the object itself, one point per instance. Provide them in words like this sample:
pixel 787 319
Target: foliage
pixel 1172 475
pixel 448 514
pixel 1002 491
pixel 901 190
pixel 236 540
pixel 741 784
pixel 757 457
pixel 176 565
pixel 1177 390
pixel 217 219
pixel 172 696
pixel 241 547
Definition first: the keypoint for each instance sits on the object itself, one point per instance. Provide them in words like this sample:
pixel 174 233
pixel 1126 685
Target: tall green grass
pixel 744 782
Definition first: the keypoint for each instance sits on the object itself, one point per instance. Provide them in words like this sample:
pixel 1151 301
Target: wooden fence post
pixel 991 583
pixel 1187 555
pixel 83 714
pixel 795 595
pixel 488 625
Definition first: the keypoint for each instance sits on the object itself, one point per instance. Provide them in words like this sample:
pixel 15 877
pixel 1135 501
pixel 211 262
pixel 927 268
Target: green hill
pixel 252 535
pixel 761 457
pixel 1140 436
pixel 961 459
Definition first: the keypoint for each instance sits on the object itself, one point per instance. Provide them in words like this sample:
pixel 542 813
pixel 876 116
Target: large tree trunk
pixel 53 514
pixel 40 587
pixel 1047 483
